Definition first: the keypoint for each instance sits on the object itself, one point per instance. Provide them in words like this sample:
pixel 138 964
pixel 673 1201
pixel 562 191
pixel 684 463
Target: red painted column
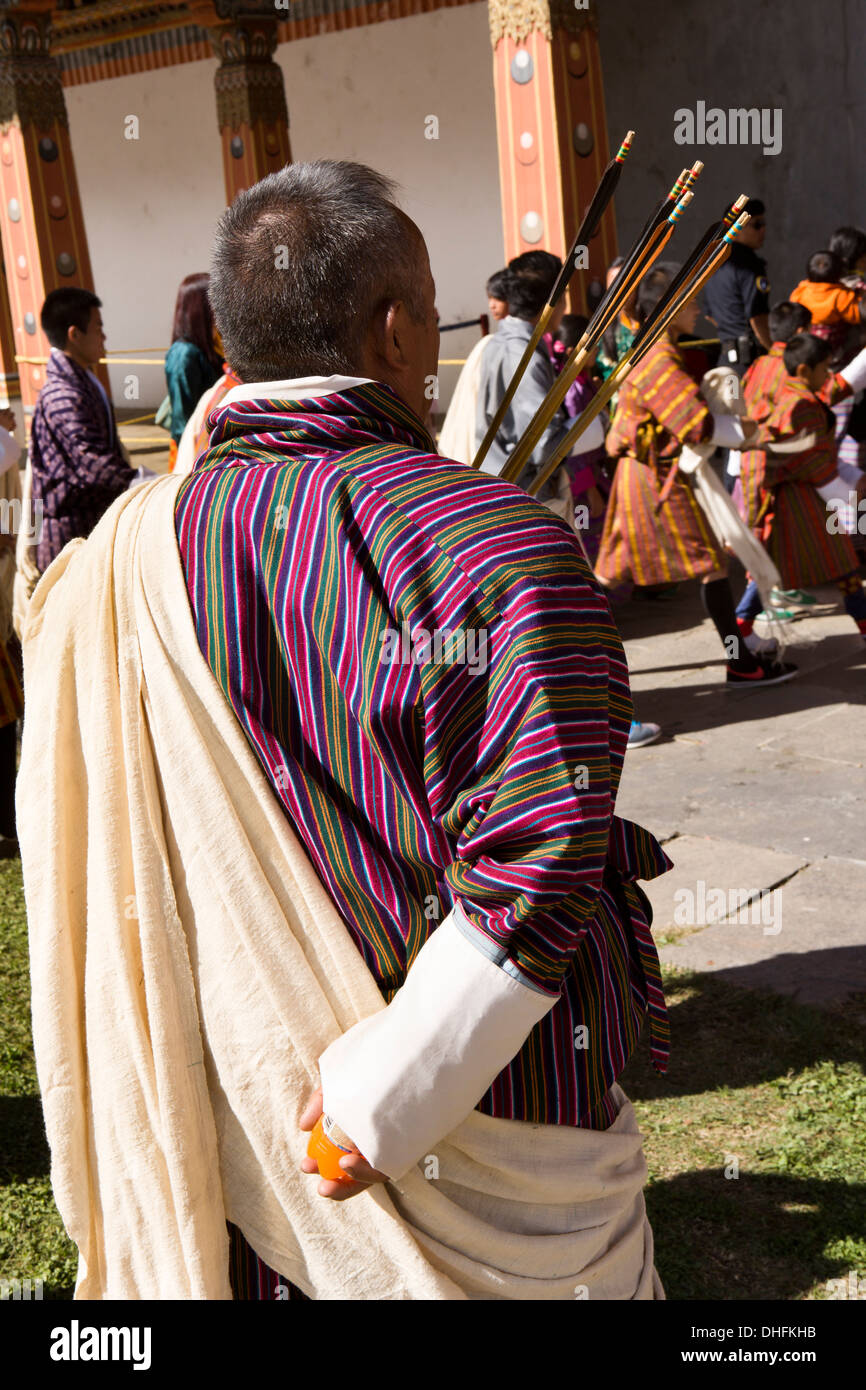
pixel 41 222
pixel 251 99
pixel 551 129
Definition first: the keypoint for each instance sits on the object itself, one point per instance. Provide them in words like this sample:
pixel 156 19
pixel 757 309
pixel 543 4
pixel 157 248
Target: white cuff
pixel 727 432
pixel 735 460
pixel 837 490
pixel 398 1082
pixel 855 372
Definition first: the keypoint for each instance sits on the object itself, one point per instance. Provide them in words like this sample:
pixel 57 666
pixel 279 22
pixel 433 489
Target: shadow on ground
pixel 761 1236
pixel 25 1149
pixel 727 1037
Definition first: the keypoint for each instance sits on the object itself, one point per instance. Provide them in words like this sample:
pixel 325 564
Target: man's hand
pixel 354 1164
pixel 7 419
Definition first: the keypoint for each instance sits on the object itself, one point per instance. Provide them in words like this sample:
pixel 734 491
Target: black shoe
pixel 769 672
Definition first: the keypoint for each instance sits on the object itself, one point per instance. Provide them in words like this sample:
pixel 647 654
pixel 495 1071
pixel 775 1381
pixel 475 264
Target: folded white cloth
pixel 189 970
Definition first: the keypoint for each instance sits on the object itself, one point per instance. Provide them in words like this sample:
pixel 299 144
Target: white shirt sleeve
pixel 855 372
pixel 398 1082
pixel 727 431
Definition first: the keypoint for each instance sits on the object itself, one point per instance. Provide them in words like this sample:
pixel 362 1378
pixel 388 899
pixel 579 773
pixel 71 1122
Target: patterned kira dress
pixel 645 539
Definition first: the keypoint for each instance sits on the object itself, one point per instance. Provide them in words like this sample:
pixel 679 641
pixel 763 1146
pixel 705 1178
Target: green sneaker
pixel 776 615
pixel 799 597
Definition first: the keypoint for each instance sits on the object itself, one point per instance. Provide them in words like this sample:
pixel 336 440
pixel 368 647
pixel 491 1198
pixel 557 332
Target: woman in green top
pixel 194 361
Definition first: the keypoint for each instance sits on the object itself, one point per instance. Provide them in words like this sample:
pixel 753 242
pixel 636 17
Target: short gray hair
pixel 302 262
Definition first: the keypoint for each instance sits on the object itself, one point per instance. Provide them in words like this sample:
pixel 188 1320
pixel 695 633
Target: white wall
pixel 150 205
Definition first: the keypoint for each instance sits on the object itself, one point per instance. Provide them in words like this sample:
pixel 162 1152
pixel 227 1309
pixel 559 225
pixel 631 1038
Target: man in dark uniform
pixel 737 300
pixel 737 297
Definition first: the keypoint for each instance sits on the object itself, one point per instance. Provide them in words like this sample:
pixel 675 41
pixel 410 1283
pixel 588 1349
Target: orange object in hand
pixel 326 1153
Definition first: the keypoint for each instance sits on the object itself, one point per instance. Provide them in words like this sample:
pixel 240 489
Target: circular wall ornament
pixel 527 149
pixel 66 263
pixel 237 147
pixel 531 228
pixel 56 207
pixel 576 59
pixel 522 66
pixel 14 209
pixel 48 149
pixel 30 324
pixel 582 139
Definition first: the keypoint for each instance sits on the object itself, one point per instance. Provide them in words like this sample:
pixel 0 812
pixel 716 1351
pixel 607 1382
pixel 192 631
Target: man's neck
pixel 79 361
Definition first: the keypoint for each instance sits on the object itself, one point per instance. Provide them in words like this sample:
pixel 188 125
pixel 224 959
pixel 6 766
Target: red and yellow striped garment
pixel 659 410
pixel 761 386
pixel 794 526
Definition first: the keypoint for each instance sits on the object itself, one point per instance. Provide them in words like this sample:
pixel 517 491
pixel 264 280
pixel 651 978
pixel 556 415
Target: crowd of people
pixel 792 459
pixel 431 912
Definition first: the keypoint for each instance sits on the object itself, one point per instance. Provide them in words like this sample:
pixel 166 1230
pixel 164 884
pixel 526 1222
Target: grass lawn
pixel 754 1140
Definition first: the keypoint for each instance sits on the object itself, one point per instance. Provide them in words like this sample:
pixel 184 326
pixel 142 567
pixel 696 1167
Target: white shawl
pixel 189 970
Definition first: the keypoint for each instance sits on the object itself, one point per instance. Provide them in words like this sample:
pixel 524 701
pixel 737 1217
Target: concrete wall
pixel 806 59
pixel 150 204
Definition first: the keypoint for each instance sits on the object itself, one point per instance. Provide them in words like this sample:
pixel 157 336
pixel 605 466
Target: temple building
pixel 126 125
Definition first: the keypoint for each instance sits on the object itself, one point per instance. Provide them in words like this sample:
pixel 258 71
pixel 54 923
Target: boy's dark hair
pixel 531 277
pixel 571 330
pixel 64 309
pixel 786 320
pixel 653 286
pixel 824 268
pixel 849 244
pixel 537 263
pixel 497 286
pixel 805 350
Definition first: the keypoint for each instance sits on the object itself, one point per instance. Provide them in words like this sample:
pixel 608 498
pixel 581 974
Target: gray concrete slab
pixel 811 942
pixel 705 867
pixel 754 790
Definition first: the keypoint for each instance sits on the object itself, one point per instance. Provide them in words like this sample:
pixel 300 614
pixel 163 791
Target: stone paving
pixel 754 792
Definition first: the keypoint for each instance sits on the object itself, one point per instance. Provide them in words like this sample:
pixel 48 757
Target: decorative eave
pixel 517 19
pixel 114 38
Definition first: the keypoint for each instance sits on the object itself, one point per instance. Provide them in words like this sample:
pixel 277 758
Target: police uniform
pixel 737 293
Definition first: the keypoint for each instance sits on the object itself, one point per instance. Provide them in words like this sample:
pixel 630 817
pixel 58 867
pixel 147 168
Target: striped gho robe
pixel 659 409
pixel 793 523
pixel 75 454
pixel 328 550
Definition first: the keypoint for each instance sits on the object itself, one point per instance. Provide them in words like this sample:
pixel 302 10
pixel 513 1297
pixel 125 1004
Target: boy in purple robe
pixel 75 455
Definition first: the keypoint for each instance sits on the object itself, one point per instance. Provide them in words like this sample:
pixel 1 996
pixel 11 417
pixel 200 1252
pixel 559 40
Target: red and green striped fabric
pixel 318 538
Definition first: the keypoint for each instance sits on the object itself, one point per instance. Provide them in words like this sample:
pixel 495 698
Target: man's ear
pixel 388 334
pixel 802 373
